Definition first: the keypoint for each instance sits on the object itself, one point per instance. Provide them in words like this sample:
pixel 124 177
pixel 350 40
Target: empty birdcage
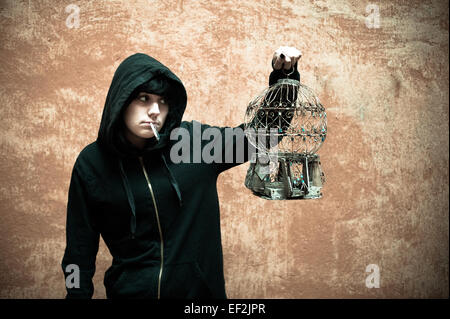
pixel 286 124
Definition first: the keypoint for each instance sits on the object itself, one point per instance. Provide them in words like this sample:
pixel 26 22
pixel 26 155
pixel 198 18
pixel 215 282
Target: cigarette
pixel 154 131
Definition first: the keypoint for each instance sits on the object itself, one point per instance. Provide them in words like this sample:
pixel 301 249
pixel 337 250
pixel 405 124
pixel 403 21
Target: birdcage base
pixel 278 193
pixel 286 185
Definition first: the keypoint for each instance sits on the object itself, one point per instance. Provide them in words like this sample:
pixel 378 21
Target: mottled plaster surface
pixel 386 161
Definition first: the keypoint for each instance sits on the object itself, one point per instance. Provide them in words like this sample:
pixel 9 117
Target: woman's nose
pixel 153 109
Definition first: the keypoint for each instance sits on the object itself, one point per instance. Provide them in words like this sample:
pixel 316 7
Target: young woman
pixel 159 219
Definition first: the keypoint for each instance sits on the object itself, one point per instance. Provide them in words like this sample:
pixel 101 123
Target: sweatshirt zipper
pixel 159 226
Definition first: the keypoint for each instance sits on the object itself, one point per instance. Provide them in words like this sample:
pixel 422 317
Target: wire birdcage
pixel 287 125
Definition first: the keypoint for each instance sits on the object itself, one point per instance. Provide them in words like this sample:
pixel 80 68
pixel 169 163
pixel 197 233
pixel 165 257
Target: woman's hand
pixel 285 57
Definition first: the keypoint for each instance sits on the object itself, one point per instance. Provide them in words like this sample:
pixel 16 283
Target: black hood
pixel 140 72
pixel 134 72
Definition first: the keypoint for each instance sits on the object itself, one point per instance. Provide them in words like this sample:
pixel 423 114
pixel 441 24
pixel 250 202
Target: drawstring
pixel 130 198
pixel 173 181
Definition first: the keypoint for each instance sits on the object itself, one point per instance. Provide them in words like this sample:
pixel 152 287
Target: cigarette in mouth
pixel 154 131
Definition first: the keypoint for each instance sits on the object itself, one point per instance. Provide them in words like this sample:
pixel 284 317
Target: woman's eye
pixel 163 101
pixel 143 98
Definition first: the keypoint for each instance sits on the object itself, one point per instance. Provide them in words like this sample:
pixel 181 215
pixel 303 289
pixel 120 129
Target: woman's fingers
pixel 285 57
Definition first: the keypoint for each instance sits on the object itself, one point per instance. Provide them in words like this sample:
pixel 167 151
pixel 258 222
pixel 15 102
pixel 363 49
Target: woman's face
pixel 146 108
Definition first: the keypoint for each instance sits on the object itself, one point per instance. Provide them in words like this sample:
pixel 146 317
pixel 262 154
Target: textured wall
pixel 386 92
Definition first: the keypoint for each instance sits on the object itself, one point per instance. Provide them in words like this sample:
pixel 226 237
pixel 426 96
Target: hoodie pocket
pixel 132 282
pixel 184 281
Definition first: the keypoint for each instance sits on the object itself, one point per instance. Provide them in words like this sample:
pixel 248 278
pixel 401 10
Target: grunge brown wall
pixel 385 88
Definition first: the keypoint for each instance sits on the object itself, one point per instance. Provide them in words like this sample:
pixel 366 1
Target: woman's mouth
pixel 148 123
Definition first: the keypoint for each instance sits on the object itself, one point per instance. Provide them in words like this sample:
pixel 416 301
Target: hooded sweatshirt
pixel 160 220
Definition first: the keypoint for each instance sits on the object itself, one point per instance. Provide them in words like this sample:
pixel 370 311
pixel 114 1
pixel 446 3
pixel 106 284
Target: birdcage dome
pixel 292 112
